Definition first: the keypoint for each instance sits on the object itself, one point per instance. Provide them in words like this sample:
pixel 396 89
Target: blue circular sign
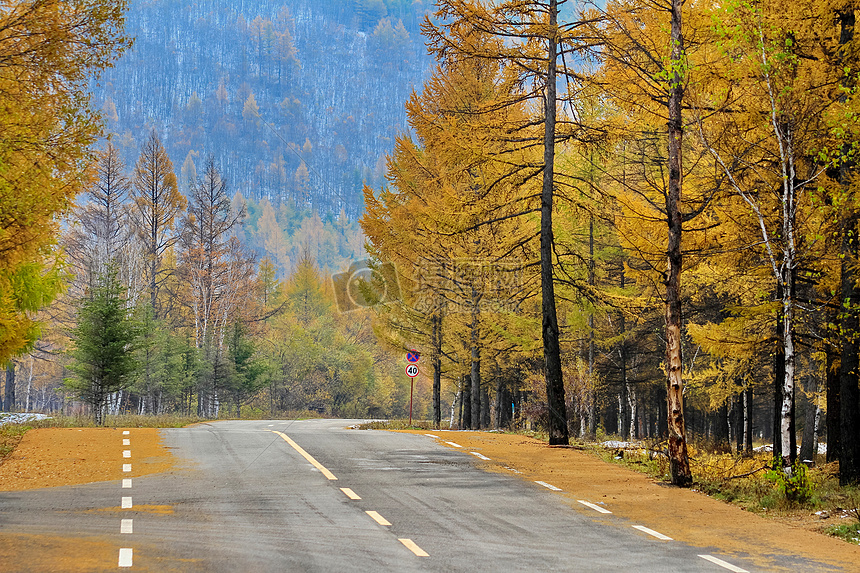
pixel 413 356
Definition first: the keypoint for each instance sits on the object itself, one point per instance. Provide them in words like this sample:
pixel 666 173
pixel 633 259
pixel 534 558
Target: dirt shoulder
pixel 683 515
pixel 51 457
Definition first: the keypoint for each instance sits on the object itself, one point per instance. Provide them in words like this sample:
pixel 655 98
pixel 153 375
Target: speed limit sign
pixel 412 370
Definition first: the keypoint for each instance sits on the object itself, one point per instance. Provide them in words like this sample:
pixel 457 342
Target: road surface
pixel 309 496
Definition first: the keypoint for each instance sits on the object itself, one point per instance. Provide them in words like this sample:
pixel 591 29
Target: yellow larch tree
pixel 49 52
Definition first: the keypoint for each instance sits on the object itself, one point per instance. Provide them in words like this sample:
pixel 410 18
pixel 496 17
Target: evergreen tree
pixel 103 359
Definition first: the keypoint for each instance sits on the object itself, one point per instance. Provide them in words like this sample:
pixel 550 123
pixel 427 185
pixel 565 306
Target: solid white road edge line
pixel 349 493
pixel 592 506
pixel 126 502
pixel 125 557
pixel 653 533
pixel 548 486
pixel 482 456
pixel 377 518
pixel 126 468
pixel 306 455
pixel 723 564
pixel 413 547
pixel 126 526
pixel 453 444
pixel 126 483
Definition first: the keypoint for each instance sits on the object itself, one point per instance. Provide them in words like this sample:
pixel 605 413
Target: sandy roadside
pixel 51 457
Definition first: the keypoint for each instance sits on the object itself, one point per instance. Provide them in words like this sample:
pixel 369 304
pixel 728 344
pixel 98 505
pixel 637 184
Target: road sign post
pixel 412 372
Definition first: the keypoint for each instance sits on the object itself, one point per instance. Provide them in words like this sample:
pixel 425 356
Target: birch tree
pixel 772 98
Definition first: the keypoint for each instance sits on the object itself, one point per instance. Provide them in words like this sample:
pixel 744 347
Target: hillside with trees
pixel 286 114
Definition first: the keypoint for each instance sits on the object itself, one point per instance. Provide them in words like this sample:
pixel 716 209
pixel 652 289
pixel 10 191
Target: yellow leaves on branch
pixel 49 52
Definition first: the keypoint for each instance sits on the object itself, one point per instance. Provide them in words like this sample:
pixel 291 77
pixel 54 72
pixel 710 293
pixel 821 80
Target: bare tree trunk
pixel 499 412
pixel 748 404
pixel 466 410
pixel 485 407
pixel 583 425
pixel 631 404
pixel 624 396
pixel 436 364
pixel 849 375
pixel 740 424
pixel 679 464
pixel 809 443
pixel 476 358
pixel 778 382
pixel 558 431
pixel 833 430
pixel 29 385
pixel 591 282
pixel 849 394
pixel 9 398
pixel 475 421
pixel 789 439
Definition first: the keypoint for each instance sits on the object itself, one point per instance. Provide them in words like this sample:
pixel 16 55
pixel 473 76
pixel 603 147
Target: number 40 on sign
pixel 412 370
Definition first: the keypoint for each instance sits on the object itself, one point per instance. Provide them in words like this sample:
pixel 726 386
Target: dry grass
pixel 749 482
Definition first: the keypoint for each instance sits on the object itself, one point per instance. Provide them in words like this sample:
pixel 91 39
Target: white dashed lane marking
pixel 125 557
pixel 548 486
pixel 453 444
pixel 349 493
pixel 126 525
pixel 593 506
pixel 653 533
pixel 377 518
pixel 413 547
pixel 432 436
pixel 478 455
pixel 723 564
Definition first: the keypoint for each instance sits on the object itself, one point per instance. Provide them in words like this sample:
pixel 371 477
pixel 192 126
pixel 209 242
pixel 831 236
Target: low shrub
pixel 792 483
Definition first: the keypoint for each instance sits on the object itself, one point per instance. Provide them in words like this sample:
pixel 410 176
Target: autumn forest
pixel 628 218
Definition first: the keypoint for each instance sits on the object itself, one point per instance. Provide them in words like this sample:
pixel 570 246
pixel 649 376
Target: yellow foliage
pixel 49 51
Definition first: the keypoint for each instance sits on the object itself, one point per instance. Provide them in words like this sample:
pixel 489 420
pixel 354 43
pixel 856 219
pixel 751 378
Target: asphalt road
pixel 245 499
